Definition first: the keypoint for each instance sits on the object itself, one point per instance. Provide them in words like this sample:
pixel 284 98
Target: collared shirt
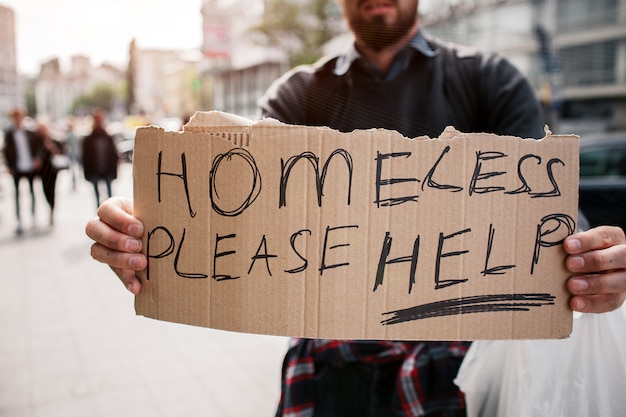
pixel 399 63
pixel 24 162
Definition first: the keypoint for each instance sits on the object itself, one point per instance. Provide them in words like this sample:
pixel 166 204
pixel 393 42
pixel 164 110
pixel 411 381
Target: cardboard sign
pixel 304 231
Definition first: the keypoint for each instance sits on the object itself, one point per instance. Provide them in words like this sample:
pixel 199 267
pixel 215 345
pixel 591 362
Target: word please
pixel 551 231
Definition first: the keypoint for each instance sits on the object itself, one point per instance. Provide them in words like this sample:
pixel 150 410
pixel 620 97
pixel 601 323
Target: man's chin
pixel 378 37
pixel 381 30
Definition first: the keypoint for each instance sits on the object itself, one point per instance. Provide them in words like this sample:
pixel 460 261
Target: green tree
pixel 300 29
pixel 101 96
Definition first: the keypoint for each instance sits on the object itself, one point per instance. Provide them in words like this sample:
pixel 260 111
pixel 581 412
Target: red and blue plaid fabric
pixel 424 386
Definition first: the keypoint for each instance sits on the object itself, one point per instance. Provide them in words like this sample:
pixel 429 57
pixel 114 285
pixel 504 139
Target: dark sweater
pixel 458 86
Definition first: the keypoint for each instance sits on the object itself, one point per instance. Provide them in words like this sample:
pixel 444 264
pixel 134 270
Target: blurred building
pixel 236 70
pixel 573 51
pixel 182 89
pixel 166 82
pixel 10 94
pixel 56 90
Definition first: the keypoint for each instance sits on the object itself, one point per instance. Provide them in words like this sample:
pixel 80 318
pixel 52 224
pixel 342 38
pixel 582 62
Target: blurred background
pixel 159 62
pixel 167 59
pixel 71 344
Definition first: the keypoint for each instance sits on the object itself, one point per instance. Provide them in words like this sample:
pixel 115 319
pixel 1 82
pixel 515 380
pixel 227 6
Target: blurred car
pixel 172 124
pixel 602 189
pixel 125 144
pixel 125 150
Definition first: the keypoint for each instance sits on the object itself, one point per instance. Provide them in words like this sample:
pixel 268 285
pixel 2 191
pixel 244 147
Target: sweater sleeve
pixel 508 102
pixel 285 98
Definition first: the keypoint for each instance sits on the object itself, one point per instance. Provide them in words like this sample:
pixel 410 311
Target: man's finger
pixel 129 279
pixel 601 237
pixel 598 260
pixel 117 259
pixel 610 283
pixel 117 214
pixel 601 303
pixel 103 234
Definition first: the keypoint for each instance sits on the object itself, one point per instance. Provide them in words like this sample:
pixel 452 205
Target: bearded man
pixel 395 77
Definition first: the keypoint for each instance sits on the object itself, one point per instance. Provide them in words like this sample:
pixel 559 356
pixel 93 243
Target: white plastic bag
pixel 582 376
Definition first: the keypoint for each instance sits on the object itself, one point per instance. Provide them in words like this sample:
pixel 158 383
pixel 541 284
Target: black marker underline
pixel 468 305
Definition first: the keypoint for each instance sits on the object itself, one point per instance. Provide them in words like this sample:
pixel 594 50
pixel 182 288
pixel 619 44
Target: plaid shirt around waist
pixel 424 386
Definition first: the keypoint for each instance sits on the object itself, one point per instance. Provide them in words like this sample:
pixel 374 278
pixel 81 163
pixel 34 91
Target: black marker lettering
pixel 286 168
pixel 439 283
pixel 184 274
pixel 479 176
pixel 264 255
pixel 168 251
pixel 524 188
pixel 555 192
pixel 216 254
pixel 305 263
pixel 549 225
pixel 380 182
pixel 496 270
pixel 384 254
pixel 325 249
pixel 255 187
pixel 428 180
pixel 182 176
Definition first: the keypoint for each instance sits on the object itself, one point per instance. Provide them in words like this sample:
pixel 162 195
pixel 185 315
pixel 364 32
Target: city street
pixel 71 344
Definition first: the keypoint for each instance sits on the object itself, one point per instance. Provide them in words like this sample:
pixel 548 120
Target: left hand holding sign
pixel 116 234
pixel 598 258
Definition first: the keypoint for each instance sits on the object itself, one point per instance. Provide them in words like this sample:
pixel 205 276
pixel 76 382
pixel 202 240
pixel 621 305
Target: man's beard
pixel 377 34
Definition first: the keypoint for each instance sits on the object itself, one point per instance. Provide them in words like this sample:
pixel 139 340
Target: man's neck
pixel 383 58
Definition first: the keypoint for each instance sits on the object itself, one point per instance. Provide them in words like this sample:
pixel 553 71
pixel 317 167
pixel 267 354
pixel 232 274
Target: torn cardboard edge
pixel 222 124
pixel 263 227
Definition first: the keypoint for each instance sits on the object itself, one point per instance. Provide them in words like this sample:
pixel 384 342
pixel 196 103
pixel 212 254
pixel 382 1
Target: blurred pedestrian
pixel 49 171
pixel 23 150
pixel 74 150
pixel 100 158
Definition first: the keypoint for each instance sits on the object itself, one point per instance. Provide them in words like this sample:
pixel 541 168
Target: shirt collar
pixel 418 43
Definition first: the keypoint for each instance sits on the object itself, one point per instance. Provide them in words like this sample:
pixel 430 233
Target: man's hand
pixel 117 233
pixel 597 257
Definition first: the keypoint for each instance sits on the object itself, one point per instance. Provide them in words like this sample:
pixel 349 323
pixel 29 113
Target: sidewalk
pixel 71 344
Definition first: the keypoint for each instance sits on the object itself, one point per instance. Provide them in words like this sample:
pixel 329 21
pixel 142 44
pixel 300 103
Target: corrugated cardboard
pixel 304 231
